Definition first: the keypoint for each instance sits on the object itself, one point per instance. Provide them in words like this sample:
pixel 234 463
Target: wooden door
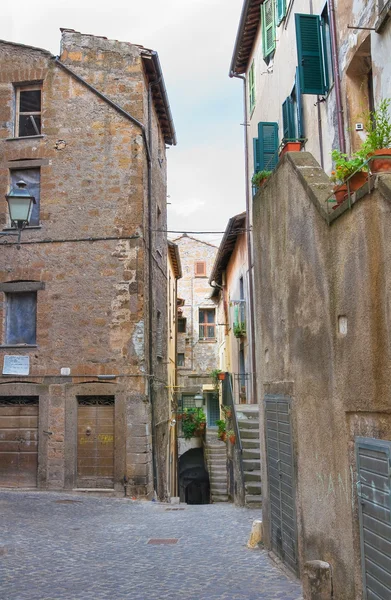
pixel 18 442
pixel 95 442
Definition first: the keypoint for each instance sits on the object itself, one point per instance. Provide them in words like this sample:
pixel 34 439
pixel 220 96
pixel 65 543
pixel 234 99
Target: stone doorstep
pixel 253 487
pixel 249 434
pixel 250 443
pixel 220 498
pixel 251 465
pixel 252 453
pixel 254 475
pixel 248 423
pixel 253 497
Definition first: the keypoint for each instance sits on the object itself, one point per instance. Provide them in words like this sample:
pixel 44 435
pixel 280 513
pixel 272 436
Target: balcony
pixel 239 325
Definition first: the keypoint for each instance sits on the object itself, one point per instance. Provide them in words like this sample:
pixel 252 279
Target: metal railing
pixel 331 200
pixel 228 400
pixel 241 387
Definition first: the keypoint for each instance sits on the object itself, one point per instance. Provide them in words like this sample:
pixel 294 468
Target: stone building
pixel 84 297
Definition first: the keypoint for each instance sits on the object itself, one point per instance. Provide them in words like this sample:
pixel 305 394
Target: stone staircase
pixel 248 421
pixel 216 459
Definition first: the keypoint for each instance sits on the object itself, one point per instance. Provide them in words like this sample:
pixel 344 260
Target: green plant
pixel 239 329
pixel 345 167
pixel 221 428
pixel 193 422
pixel 227 411
pixel 231 435
pixel 215 376
pixel 259 177
pixel 378 126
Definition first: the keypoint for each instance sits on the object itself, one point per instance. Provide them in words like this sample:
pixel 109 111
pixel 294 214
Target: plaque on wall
pixel 16 365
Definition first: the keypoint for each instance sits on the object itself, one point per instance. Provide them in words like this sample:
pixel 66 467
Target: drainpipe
pixel 249 245
pixel 338 95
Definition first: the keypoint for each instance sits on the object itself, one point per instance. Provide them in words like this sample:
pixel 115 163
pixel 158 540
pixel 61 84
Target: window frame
pixel 268 9
pixel 182 320
pixel 9 296
pixel 32 87
pixel 181 363
pixel 205 323
pixel 251 87
pixel 203 263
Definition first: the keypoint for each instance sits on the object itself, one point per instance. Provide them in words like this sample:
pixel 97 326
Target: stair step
pixel 248 423
pixel 252 498
pixel 251 465
pixel 222 498
pixel 253 487
pixel 250 443
pixel 251 453
pixel 249 434
pixel 252 475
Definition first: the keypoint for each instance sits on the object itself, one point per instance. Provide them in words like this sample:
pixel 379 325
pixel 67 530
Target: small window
pixel 207 327
pixel 28 110
pixel 181 325
pixel 200 268
pixel 21 318
pixel 268 21
pixel 159 335
pixel 181 359
pixel 32 177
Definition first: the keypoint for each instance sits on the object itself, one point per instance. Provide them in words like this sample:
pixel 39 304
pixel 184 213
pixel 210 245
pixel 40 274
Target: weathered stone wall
pixel 308 274
pixel 92 316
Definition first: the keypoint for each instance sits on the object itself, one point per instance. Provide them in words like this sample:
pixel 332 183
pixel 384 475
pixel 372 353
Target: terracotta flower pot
pixel 340 193
pixel 232 439
pixel 223 436
pixel 291 147
pixel 357 181
pixel 221 376
pixel 381 165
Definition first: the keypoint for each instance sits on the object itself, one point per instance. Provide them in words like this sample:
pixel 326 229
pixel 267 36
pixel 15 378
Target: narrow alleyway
pixel 72 547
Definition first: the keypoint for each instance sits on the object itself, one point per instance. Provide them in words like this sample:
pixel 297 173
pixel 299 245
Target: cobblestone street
pixel 71 547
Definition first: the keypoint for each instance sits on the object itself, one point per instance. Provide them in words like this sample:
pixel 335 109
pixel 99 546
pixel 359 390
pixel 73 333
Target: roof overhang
pixel 173 252
pixel 154 74
pixel 245 37
pixel 236 226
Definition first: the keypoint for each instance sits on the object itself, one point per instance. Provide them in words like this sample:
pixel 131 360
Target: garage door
pixel 18 441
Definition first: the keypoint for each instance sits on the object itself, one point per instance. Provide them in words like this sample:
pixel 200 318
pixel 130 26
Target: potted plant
pixel 346 168
pixel 217 375
pixel 193 422
pixel 259 178
pixel 378 141
pixel 239 329
pixel 227 410
pixel 221 429
pixel 231 436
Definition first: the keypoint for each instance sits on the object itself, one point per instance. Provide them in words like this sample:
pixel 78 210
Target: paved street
pixel 71 547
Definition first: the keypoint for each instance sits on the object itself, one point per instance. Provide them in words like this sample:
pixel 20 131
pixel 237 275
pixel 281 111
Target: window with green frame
pixel 313 53
pixel 268 21
pixel 281 10
pixel 292 120
pixel 265 147
pixel 251 86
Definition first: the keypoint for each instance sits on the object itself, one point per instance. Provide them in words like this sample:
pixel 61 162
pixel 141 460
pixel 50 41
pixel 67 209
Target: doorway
pixel 95 442
pixel 19 441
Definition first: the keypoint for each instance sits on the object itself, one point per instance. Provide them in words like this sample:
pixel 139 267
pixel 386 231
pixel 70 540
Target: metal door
pixel 95 442
pixel 374 504
pixel 279 457
pixel 213 409
pixel 18 441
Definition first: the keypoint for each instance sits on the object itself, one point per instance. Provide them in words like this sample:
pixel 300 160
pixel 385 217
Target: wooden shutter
pixel 281 10
pixel 310 55
pixel 200 268
pixel 285 124
pixel 256 155
pixel 268 27
pixel 268 145
pixel 288 119
pixel 251 86
pixel 300 121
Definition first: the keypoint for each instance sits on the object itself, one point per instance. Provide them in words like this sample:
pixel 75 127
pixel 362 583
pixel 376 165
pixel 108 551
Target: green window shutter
pixel 281 10
pixel 268 27
pixel 288 120
pixel 268 145
pixel 285 123
pixel 256 155
pixel 299 100
pixel 251 87
pixel 310 55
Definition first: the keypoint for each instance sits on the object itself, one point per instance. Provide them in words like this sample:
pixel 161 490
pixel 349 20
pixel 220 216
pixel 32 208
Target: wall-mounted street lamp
pixel 199 400
pixel 20 206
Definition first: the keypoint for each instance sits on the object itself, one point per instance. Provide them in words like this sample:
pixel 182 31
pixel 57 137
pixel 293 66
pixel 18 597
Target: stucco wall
pixel 307 274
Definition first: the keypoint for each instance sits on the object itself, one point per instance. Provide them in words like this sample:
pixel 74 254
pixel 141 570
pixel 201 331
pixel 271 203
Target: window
pixel 251 86
pixel 28 110
pixel 288 119
pixel 200 268
pixel 268 28
pixel 181 359
pixel 311 34
pixel 33 179
pixel 265 147
pixel 181 325
pixel 206 320
pixel 159 335
pixel 21 318
pixel 327 54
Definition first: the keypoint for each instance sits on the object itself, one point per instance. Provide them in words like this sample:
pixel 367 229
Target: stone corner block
pixel 317 580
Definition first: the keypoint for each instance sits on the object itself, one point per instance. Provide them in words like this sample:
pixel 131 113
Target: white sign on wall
pixel 16 365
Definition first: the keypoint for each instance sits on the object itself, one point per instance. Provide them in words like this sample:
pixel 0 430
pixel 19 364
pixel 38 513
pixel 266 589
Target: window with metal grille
pixel 188 401
pixel 181 359
pixel 200 268
pixel 28 110
pixel 32 177
pixel 21 318
pixel 206 321
pixel 181 325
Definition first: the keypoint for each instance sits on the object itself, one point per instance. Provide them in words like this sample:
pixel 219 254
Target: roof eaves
pixel 175 258
pixel 232 231
pixel 248 28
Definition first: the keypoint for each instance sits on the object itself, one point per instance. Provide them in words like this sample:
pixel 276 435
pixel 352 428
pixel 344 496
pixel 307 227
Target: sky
pixel 194 40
